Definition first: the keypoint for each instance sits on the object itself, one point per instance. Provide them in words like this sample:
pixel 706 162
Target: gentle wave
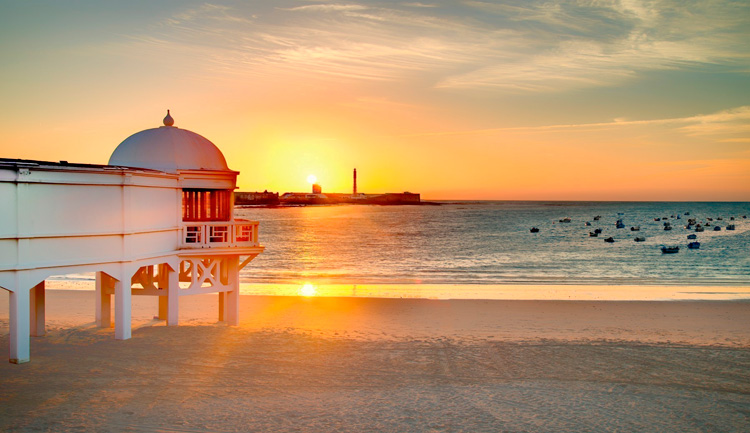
pixel 490 243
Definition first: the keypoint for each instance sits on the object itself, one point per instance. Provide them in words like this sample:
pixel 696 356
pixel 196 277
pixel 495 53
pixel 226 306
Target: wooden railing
pixel 220 234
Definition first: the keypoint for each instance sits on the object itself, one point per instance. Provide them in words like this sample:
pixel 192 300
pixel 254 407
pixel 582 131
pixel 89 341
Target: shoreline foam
pixel 593 292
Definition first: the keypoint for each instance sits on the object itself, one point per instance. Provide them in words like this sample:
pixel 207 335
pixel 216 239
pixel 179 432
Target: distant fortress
pixel 318 197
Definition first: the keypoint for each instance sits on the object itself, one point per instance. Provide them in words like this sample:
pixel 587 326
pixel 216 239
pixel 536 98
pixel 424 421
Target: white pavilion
pixel 156 221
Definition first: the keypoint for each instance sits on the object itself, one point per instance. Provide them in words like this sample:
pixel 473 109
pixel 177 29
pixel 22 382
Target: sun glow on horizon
pixel 308 290
pixel 312 179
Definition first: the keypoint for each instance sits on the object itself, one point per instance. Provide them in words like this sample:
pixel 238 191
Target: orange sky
pixel 470 100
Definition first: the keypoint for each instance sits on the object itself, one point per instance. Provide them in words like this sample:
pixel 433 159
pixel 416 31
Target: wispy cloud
pixel 605 43
pixel 735 120
pixel 519 46
pixel 419 5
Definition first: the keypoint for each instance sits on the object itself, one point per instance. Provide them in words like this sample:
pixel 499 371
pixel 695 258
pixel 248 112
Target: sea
pixel 475 248
pixel 485 250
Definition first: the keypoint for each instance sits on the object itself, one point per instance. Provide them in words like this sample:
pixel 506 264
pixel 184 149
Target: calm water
pixel 489 243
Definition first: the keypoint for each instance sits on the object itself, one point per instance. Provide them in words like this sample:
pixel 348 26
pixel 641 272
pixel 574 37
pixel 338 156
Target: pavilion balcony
pixel 220 234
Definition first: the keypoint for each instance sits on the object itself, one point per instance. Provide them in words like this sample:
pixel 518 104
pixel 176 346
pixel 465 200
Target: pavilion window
pixel 206 205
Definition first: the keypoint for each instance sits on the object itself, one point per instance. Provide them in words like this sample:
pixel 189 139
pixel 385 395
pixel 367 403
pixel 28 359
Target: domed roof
pixel 168 148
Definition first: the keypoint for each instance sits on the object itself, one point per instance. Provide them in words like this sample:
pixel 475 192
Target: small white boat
pixel 635 229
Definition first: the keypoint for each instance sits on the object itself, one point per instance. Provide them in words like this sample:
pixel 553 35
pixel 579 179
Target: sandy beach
pixel 365 364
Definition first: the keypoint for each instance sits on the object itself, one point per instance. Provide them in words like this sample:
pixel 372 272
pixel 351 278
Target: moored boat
pixel 670 250
pixel 639 239
pixel 694 245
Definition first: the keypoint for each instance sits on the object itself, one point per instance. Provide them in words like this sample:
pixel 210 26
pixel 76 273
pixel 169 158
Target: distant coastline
pixel 317 197
pixel 273 199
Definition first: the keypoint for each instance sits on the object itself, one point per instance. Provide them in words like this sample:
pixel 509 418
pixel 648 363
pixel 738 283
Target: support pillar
pixel 173 296
pixel 163 307
pixel 37 310
pixel 103 312
pixel 222 306
pixel 123 314
pixel 19 326
pixel 162 282
pixel 232 298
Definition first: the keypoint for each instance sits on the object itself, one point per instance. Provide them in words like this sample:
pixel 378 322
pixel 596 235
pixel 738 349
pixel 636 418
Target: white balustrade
pixel 218 234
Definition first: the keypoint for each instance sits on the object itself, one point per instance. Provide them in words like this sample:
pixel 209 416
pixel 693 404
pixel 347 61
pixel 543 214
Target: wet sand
pixel 360 364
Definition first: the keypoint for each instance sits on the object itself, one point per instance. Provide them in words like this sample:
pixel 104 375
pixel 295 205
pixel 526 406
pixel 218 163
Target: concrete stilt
pixel 232 298
pixel 162 282
pixel 123 315
pixel 37 310
pixel 224 278
pixel 103 312
pixel 222 306
pixel 163 304
pixel 19 326
pixel 173 296
pixel 233 307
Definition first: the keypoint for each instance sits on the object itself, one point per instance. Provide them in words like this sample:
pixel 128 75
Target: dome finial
pixel 168 121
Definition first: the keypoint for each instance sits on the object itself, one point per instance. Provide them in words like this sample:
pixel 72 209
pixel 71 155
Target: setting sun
pixel 307 290
pixel 312 179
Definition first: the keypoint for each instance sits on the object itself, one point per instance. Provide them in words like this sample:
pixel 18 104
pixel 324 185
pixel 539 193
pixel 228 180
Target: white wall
pixel 152 208
pixel 63 218
pixel 7 209
pixel 69 209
